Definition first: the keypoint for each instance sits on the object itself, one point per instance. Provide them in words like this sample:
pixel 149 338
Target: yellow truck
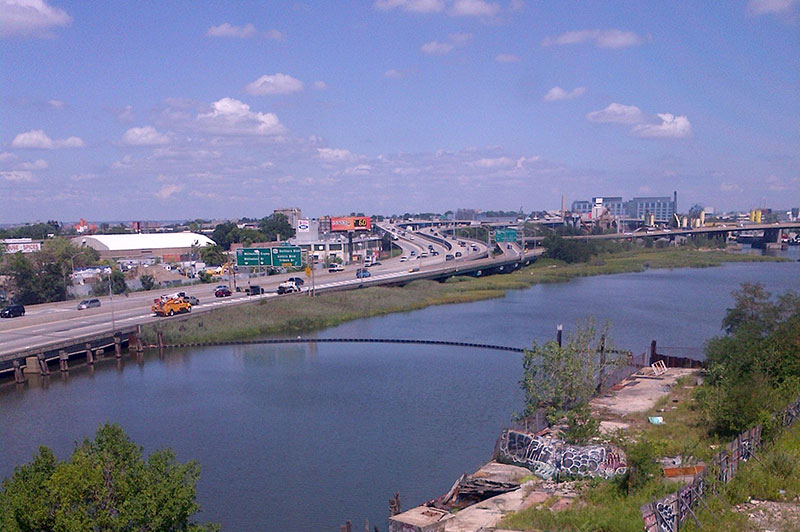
pixel 169 306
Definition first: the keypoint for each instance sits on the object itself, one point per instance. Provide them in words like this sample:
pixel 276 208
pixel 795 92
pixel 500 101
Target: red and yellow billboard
pixel 350 223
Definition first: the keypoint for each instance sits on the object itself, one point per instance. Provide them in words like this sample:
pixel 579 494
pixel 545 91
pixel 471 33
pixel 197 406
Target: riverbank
pixel 296 315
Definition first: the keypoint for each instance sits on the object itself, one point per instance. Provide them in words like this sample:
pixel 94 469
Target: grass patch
pixel 295 315
pixel 601 507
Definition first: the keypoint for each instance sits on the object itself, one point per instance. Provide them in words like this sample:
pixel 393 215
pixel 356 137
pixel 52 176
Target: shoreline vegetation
pixel 294 315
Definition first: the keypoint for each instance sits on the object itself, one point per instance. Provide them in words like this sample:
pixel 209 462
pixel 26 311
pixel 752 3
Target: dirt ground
pixel 772 516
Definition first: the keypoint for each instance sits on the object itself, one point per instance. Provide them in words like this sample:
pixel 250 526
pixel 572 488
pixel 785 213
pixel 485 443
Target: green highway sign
pixel 286 256
pixel 505 235
pixel 280 256
pixel 253 257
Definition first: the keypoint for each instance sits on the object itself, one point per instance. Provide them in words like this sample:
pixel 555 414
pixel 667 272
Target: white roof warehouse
pixel 168 246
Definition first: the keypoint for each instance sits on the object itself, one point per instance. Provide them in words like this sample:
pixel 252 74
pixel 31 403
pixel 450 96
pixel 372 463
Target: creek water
pixel 304 437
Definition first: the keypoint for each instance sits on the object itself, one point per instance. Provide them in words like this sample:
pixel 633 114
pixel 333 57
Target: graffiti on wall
pixel 548 457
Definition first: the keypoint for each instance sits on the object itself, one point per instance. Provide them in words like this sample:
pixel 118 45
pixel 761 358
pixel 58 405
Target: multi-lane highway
pixel 58 322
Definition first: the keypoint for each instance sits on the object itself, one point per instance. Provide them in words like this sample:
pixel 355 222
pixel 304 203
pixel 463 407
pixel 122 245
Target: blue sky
pixel 153 110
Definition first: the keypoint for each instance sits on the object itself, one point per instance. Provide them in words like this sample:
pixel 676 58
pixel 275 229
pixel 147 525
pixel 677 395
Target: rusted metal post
pixel 43 365
pixel 117 347
pixel 63 361
pixel 559 332
pixel 19 377
pixel 652 351
pixel 89 354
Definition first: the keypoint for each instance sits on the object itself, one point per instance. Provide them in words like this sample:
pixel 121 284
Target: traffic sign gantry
pixel 505 235
pixel 279 256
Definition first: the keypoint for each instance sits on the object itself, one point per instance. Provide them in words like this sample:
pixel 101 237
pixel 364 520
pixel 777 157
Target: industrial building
pixel 146 247
pixel 661 207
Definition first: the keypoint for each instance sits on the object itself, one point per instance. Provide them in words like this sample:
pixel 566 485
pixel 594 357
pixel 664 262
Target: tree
pixel 148 281
pixel 561 380
pixel 118 284
pixel 213 255
pixel 274 225
pixel 569 251
pixel 106 484
pixel 754 369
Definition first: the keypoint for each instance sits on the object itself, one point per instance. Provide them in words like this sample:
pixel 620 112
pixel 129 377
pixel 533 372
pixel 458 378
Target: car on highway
pixel 296 280
pixel 434 253
pixel 88 303
pixel 449 257
pixel 508 246
pixel 458 254
pixel 222 291
pixel 362 273
pixel 193 301
pixel 253 290
pixel 287 287
pixel 403 258
pixel 376 263
pixel 413 253
pixel 12 311
pixel 333 268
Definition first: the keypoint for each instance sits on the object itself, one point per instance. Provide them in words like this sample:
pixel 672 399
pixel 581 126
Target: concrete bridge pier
pixel 117 347
pixel 45 370
pixel 19 377
pixel 63 361
pixel 89 354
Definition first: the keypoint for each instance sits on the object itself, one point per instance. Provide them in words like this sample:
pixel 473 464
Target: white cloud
pixel 38 164
pixel 7 156
pixel 167 191
pixel 506 58
pixel 436 48
pixel 393 74
pixel 671 127
pixel 454 40
pixel 56 104
pixel 126 114
pixel 495 162
pixel 18 176
pixel 229 116
pixel 616 113
pixel 332 154
pixel 144 136
pixel 274 84
pixel 30 18
pixel 413 6
pixel 274 35
pixel 730 187
pixel 38 139
pixel 320 85
pixel 600 38
pixel 557 93
pixel 228 30
pixel 762 7
pixel 473 8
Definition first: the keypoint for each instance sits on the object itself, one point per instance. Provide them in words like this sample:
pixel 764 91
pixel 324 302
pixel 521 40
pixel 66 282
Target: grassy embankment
pixel 290 316
pixel 606 506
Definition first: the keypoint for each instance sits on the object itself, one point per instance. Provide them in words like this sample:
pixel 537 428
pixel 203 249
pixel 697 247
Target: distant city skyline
pixel 131 111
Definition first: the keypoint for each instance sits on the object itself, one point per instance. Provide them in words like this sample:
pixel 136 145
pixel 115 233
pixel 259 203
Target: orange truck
pixel 169 306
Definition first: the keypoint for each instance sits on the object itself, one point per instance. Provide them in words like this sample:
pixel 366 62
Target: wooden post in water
pixel 63 361
pixel 43 365
pixel 19 377
pixel 160 335
pixel 117 347
pixel 652 351
pixel 559 332
pixel 89 354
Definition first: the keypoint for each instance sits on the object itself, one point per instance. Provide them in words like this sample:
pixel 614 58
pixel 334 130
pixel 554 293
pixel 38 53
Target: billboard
pixel 350 223
pixel 303 226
